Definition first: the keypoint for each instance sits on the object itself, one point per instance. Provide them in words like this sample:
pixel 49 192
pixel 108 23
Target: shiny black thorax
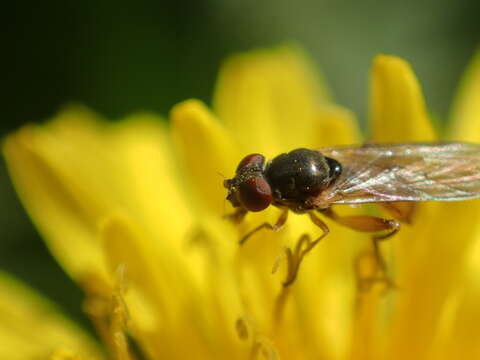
pixel 299 176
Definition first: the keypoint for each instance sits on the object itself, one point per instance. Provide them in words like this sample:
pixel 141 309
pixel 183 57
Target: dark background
pixel 119 57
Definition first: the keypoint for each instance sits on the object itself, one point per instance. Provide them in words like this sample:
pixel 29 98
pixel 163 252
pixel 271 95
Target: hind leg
pixel 382 229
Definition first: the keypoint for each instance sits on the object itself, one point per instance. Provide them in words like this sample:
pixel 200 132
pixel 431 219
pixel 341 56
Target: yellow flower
pixel 133 212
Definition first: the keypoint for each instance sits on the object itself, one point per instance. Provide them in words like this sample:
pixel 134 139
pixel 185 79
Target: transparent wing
pixel 405 172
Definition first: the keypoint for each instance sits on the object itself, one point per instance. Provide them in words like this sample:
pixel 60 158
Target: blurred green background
pixel 119 57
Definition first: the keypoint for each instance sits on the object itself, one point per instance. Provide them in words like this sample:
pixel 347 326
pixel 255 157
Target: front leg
pixel 237 216
pixel 282 219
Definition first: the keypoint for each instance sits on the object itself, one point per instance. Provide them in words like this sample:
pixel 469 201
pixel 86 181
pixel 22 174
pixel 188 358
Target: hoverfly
pixel 311 181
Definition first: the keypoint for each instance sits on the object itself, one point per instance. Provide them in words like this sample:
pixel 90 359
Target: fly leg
pixel 237 216
pixel 402 211
pixel 303 247
pixel 393 228
pixel 282 219
pixel 367 223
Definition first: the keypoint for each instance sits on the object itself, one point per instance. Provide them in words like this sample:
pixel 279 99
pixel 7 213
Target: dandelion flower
pixel 133 213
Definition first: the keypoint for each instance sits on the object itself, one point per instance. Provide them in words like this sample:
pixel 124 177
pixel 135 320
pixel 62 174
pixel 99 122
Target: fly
pixel 311 181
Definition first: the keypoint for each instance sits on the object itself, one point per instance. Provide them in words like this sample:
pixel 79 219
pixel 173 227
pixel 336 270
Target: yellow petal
pixel 172 306
pixel 75 170
pixel 439 248
pixel 335 126
pixel 269 99
pixel 462 342
pixel 325 285
pixel 442 239
pixel 151 186
pixel 432 256
pixel 148 277
pixel 466 110
pixel 397 107
pixel 62 207
pixel 456 335
pixel 208 151
pixel 32 328
pixel 431 269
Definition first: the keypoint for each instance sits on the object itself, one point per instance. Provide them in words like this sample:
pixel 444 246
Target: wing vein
pixel 405 172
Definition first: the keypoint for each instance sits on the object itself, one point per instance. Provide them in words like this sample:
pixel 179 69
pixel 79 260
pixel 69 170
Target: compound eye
pixel 255 194
pixel 252 160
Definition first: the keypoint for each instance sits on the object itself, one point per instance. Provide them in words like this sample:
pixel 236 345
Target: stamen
pixel 96 304
pixel 196 237
pixel 278 261
pixel 119 315
pixel 264 348
pixel 279 308
pixel 368 272
pixel 200 239
pixel 64 354
pixel 109 312
pixel 242 328
pixel 295 258
pixel 261 347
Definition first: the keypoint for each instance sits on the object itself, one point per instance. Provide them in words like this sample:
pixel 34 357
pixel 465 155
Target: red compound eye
pixel 254 160
pixel 255 193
